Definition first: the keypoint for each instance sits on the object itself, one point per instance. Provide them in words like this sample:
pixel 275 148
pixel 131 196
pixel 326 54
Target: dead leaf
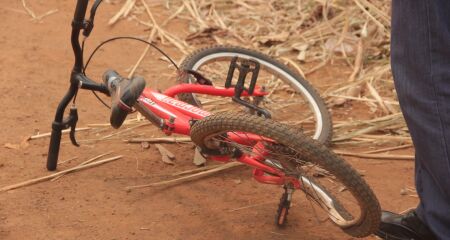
pixel 166 155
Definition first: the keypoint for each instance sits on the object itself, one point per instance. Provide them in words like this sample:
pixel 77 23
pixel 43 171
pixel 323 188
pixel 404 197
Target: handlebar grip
pixel 124 94
pixel 53 150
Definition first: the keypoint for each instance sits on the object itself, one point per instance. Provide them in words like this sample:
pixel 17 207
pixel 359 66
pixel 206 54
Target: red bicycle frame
pixel 175 116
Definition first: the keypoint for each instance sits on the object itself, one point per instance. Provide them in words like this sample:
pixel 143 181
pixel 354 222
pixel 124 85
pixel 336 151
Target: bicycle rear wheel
pixel 325 178
pixel 291 99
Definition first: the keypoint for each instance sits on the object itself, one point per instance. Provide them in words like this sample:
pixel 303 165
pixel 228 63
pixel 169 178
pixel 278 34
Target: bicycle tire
pixel 311 151
pixel 207 55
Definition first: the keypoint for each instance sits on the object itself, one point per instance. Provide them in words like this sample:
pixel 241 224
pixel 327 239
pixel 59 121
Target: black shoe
pixel 407 226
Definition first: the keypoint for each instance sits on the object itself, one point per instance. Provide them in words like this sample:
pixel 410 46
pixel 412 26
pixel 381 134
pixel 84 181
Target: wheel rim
pixel 328 203
pixel 286 78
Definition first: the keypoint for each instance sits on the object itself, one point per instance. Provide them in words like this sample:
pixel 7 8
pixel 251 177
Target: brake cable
pixel 89 25
pixel 121 38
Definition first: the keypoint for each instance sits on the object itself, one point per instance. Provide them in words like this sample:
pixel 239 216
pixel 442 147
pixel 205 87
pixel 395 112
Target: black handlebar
pixel 77 80
pixel 78 24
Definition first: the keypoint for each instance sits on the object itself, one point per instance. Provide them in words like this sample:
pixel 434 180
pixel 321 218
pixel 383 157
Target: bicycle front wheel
pixel 291 99
pixel 325 178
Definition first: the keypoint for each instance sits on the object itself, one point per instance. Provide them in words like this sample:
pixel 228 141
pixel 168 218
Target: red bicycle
pixel 280 154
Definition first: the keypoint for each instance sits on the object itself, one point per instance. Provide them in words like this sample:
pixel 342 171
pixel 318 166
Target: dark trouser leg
pixel 421 66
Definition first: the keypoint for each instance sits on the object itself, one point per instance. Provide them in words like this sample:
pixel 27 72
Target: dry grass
pixel 306 34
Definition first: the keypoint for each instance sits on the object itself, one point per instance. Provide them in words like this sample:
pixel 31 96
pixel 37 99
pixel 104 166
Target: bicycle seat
pixel 124 94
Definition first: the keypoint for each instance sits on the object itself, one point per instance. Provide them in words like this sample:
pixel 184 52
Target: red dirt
pixel 35 65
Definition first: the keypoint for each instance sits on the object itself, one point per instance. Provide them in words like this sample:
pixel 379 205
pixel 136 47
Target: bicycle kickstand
pixel 284 205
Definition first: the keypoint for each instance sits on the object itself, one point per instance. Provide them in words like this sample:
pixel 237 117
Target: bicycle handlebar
pixel 77 80
pixel 122 101
pixel 78 24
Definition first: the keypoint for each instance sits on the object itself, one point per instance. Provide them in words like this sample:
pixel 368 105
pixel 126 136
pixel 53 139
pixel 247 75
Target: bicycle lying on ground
pixel 280 154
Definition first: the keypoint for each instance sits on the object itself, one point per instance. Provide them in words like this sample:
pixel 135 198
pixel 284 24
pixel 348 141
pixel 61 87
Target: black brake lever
pixel 89 24
pixel 72 121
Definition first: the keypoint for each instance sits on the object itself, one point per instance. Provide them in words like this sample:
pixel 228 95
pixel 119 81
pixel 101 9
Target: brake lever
pixel 72 121
pixel 89 24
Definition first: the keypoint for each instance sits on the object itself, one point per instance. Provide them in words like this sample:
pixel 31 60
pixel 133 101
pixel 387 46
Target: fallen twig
pixel 199 169
pixel 14 10
pixel 364 131
pixel 29 11
pixel 125 130
pixel 160 140
pixel 33 15
pixel 387 137
pixel 68 160
pixel 376 156
pixel 253 205
pixel 63 131
pixel 389 149
pixel 123 12
pixel 39 18
pixel 84 163
pixel 189 177
pixel 377 96
pixel 45 178
pixel 358 61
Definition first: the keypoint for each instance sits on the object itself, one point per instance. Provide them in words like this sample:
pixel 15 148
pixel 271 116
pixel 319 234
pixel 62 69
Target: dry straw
pixel 308 35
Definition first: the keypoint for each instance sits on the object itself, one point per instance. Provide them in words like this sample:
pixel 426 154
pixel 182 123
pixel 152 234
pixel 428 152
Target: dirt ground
pixel 35 63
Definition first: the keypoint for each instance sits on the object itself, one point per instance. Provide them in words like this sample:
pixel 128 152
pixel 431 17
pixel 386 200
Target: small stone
pixel 145 145
pixel 403 191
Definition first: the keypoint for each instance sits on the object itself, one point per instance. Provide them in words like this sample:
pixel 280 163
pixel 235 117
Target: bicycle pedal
pixel 244 66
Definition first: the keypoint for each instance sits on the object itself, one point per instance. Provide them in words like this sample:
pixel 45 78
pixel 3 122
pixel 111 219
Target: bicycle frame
pixel 174 116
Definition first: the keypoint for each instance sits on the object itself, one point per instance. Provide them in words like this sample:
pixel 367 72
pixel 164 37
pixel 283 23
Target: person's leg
pixel 420 56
